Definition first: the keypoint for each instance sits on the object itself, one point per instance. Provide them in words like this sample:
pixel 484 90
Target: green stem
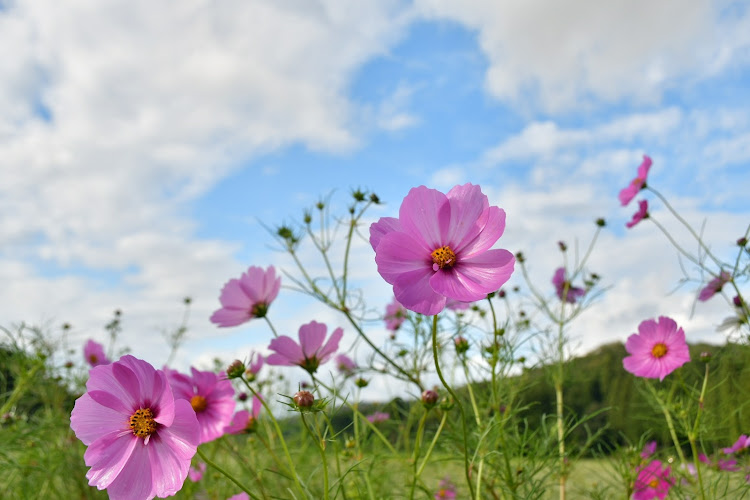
pixel 670 423
pixel 225 473
pixel 432 444
pixel 673 242
pixel 270 325
pixel 467 468
pixel 321 449
pixel 471 392
pixel 693 434
pixel 415 455
pixel 479 478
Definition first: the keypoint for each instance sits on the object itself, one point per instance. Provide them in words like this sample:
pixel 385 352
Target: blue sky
pixel 141 144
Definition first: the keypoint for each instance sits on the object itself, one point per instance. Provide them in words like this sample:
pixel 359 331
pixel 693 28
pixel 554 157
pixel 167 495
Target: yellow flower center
pixel 142 422
pixel 198 403
pixel 653 483
pixel 659 350
pixel 443 257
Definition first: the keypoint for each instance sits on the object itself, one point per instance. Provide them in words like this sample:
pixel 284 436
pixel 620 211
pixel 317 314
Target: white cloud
pixel 562 56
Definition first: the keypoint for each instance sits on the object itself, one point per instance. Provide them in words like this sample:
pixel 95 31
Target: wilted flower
pixel 140 438
pixel 378 417
pixel 564 289
pixel 247 297
pixel 94 354
pixel 641 214
pixel 310 352
pixel 657 349
pixel 714 286
pixel 395 314
pixel 636 184
pixel 439 248
pixel 210 395
pixel 653 481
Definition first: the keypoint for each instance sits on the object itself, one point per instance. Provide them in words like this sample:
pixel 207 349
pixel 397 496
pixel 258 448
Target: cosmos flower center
pixel 659 350
pixel 653 483
pixel 259 310
pixel 198 403
pixel 93 358
pixel 310 364
pixel 142 422
pixel 442 257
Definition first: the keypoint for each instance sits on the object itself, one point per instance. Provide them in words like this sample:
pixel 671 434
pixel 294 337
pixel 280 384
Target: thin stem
pixel 479 479
pixel 467 468
pixel 432 444
pixel 415 455
pixel 693 434
pixel 673 242
pixel 321 449
pixel 670 423
pixel 471 392
pixel 225 473
pixel 270 325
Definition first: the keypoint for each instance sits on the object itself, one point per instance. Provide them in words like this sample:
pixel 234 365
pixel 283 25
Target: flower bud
pixel 429 398
pixel 705 356
pixel 601 222
pixel 462 345
pixel 358 195
pixel 737 301
pixel 520 258
pixel 562 245
pixel 501 293
pixel 242 396
pixel 361 382
pixel 742 242
pixel 374 198
pixel 304 399
pixel 236 369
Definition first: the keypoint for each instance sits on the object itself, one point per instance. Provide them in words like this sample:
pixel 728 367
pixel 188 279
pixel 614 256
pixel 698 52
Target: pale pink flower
pixel 378 417
pixel 395 314
pixel 653 481
pixel 636 184
pixel 247 297
pixel 243 420
pixel 714 286
pixel 240 496
pixel 641 214
pixel 195 474
pixel 210 395
pixel 648 449
pixel 310 352
pixel 742 443
pixel 564 289
pixel 439 248
pixel 94 354
pixel 345 365
pixel 140 438
pixel 657 349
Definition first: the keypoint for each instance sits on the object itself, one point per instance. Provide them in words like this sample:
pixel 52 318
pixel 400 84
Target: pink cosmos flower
pixel 345 365
pixel 742 443
pixel 378 417
pixel 248 297
pixel 240 496
pixel 140 439
pixel 641 214
pixel 714 286
pixel 243 420
pixel 636 184
pixel 564 288
pixel 310 352
pixel 648 449
pixel 195 474
pixel 446 489
pixel 254 365
pixel 657 349
pixel 395 314
pixel 94 354
pixel 210 395
pixel 652 481
pixel 439 248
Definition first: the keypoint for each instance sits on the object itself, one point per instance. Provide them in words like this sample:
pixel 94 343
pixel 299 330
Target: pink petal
pixel 425 215
pixel 233 296
pixel 102 378
pixel 331 346
pixel 382 227
pixel 311 337
pixel 413 291
pixel 108 455
pixel 493 228
pixel 468 204
pixel 472 279
pixel 91 421
pixel 183 435
pixel 230 317
pixel 287 348
pixel 252 283
pixel 644 167
pixel 135 478
pixel 168 471
pixel 279 360
pixel 399 253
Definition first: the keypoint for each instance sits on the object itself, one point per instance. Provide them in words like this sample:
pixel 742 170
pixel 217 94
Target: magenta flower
pixel 439 248
pixel 378 417
pixel 94 354
pixel 240 496
pixel 140 439
pixel 195 474
pixel 446 489
pixel 636 184
pixel 564 289
pixel 714 286
pixel 395 314
pixel 310 352
pixel 641 214
pixel 248 297
pixel 652 481
pixel 648 449
pixel 345 365
pixel 743 442
pixel 657 349
pixel 244 421
pixel 210 395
